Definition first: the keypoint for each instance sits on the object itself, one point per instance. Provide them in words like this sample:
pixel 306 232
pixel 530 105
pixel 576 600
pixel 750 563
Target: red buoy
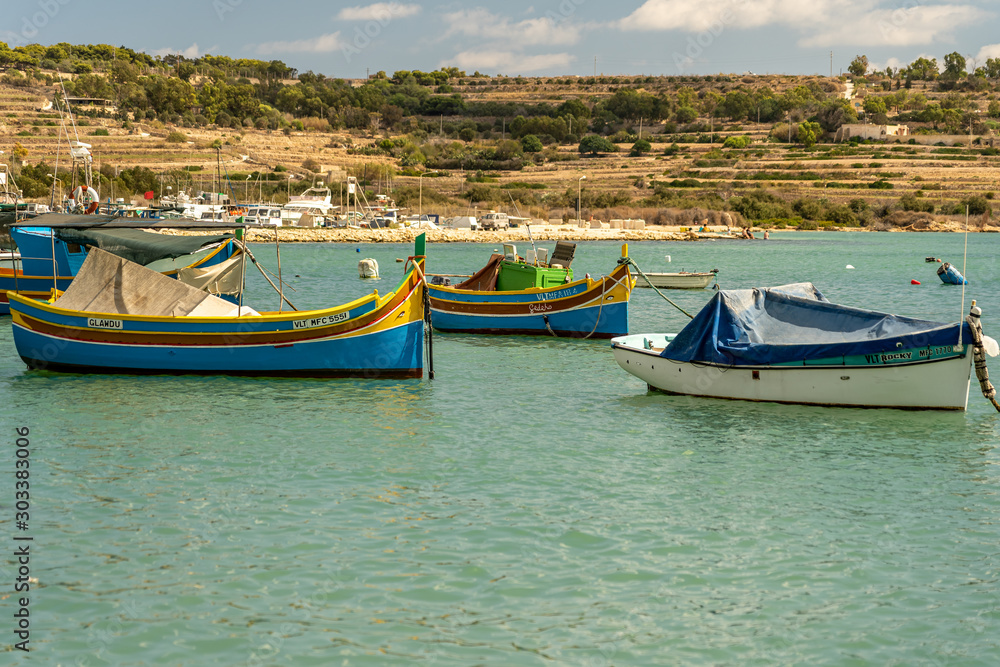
pixel 914 282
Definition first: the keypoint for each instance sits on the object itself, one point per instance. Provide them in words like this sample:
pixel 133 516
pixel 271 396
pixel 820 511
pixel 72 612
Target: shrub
pixel 910 202
pixel 176 138
pixel 639 147
pixel 977 204
pixel 531 144
pixel 99 132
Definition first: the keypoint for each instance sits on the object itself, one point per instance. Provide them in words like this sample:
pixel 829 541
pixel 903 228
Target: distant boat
pixel 949 275
pixel 789 344
pixel 52 247
pixel 680 280
pixel 312 208
pixel 150 324
pixel 535 296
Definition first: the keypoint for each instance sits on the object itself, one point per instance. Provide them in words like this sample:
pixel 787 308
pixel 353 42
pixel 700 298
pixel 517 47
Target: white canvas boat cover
pixel 108 284
pixel 222 278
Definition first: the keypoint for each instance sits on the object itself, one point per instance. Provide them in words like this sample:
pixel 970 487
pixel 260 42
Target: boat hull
pixel 676 280
pixel 938 383
pixel 587 308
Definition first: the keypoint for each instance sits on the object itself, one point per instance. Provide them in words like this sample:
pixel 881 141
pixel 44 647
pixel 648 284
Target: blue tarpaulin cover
pixel 791 323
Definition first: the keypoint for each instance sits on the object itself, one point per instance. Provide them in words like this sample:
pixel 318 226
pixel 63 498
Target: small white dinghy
pixel 679 280
pixel 789 344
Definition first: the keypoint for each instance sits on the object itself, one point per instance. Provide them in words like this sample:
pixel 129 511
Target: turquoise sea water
pixel 532 505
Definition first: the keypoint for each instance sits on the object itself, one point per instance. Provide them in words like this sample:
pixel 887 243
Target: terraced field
pixel 694 174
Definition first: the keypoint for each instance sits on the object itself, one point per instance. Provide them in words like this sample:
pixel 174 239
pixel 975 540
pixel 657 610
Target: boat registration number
pixel 321 321
pixel 98 323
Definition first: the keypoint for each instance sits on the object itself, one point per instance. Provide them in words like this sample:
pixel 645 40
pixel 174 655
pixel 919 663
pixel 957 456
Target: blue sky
pixel 533 38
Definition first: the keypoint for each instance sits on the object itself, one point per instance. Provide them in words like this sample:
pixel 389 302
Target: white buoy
pixel 849 266
pixel 368 268
pixel 668 258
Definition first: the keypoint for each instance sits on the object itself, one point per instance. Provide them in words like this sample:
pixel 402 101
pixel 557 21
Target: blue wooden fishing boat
pixel 119 317
pixel 535 296
pixel 54 246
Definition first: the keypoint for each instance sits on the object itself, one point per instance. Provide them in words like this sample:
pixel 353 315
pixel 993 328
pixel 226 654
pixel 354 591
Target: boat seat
pixel 563 254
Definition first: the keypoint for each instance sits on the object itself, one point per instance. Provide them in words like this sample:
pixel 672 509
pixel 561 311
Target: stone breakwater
pixel 323 235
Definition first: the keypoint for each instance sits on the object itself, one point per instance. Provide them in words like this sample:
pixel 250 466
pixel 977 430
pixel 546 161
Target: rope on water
pixel 631 262
pixel 979 356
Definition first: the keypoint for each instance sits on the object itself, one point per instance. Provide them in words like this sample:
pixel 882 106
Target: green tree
pixel 874 105
pixel 531 144
pixel 685 114
pixel 640 147
pixel 954 65
pixel 595 144
pixel 859 66
pixel 809 133
pixel 991 69
pixel 923 69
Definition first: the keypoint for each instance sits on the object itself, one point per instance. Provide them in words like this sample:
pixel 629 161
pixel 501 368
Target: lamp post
pixel 289 194
pixel 246 187
pixel 420 205
pixel 579 192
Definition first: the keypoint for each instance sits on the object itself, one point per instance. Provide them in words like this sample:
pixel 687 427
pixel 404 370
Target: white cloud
pixel 190 52
pixel 321 44
pixel 380 11
pixel 482 24
pixel 988 51
pixel 900 27
pixel 821 23
pixel 508 62
pixel 657 15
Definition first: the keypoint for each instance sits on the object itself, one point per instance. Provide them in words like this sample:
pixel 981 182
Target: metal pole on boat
pixel 281 285
pixel 430 332
pixel 241 235
pixel 55 266
pixel 965 257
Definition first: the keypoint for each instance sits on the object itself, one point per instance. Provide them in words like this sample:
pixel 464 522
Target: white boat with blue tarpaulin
pixel 789 344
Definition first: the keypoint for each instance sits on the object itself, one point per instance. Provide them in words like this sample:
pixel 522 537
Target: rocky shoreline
pixel 538 233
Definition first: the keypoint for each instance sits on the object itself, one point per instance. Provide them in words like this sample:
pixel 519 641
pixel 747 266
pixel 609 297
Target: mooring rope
pixel 631 262
pixel 604 284
pixel 979 355
pixel 429 338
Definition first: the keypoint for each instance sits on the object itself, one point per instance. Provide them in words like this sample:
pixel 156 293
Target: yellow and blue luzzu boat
pixel 119 317
pixel 535 296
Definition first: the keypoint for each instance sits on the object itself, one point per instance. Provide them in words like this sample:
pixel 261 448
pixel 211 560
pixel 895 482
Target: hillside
pixel 470 161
